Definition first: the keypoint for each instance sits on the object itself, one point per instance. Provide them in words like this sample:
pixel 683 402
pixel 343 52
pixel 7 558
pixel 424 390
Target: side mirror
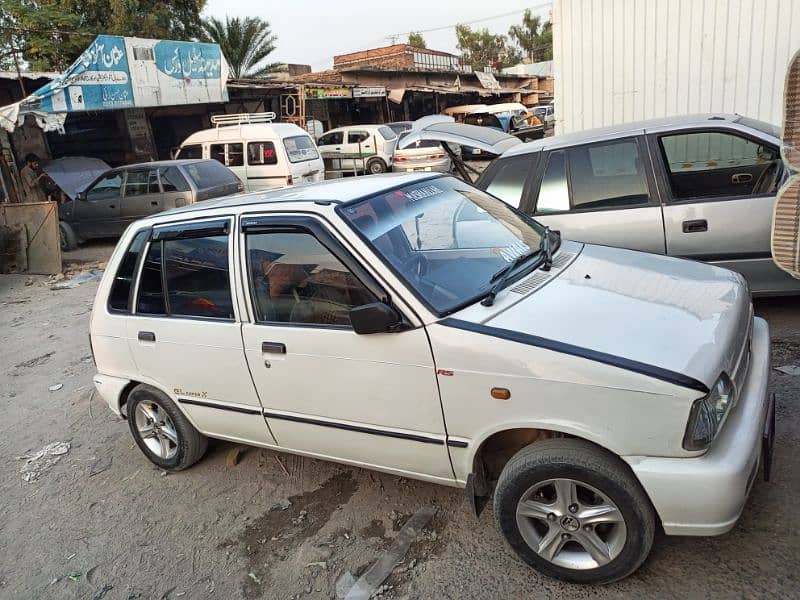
pixel 374 318
pixel 81 196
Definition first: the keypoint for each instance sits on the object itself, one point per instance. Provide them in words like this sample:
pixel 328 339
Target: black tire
pixel 376 166
pixel 586 463
pixel 191 444
pixel 67 237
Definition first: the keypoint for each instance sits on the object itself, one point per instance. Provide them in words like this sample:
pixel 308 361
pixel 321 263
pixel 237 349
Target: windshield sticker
pixel 509 253
pixel 421 193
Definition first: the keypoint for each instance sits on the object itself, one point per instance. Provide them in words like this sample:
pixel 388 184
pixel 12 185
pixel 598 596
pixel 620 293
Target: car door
pixel 232 156
pixel 360 145
pixel 263 168
pixel 98 212
pixel 368 400
pixel 601 193
pixel 176 190
pixel 141 195
pixel 331 146
pixel 184 333
pixel 720 187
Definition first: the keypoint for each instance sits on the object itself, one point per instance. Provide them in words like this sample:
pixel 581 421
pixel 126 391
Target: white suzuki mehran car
pixel 416 325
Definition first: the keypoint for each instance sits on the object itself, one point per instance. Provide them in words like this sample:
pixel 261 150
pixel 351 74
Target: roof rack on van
pixel 243 118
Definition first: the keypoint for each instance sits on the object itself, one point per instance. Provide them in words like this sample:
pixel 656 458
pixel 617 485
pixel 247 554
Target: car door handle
pixel 741 178
pixel 273 348
pixel 154 202
pixel 112 206
pixel 695 226
pixel 147 336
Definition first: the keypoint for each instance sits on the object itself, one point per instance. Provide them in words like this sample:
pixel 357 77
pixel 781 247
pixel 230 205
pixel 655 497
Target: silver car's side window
pixel 714 164
pixel 508 181
pixel 607 175
pixel 554 191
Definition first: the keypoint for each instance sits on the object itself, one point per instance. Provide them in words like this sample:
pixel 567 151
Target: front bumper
pixel 706 495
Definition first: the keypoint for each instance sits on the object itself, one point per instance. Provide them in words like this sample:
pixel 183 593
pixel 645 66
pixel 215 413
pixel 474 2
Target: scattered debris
pixel 283 466
pixel 29 281
pixel 252 576
pixel 55 387
pixel 101 593
pixel 71 556
pixel 319 563
pixel 36 464
pixel 78 279
pixel 300 517
pixel 235 455
pixel 369 583
pixel 74 577
pixel 34 362
pixel 789 369
pixel 99 465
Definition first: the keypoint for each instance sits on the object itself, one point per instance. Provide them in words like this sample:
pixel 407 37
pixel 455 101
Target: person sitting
pixel 277 290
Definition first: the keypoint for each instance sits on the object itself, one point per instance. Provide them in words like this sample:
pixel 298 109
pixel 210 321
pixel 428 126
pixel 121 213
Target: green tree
pixel 533 37
pixel 481 48
pixel 415 39
pixel 245 43
pixel 49 35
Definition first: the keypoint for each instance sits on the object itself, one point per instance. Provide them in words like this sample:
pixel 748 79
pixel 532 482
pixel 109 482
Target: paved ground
pixel 104 523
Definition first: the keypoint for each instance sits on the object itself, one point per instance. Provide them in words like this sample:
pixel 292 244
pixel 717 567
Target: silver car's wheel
pixel 156 429
pixel 571 524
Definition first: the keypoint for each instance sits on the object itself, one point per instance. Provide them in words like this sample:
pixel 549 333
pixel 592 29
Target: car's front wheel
pixel 162 431
pixel 574 512
pixel 67 238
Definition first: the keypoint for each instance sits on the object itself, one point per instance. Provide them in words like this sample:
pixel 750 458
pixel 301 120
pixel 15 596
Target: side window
pixel 118 299
pixel 331 139
pixel 387 133
pixel 554 191
pixel 508 179
pixel 235 155
pixel 192 151
pixel 197 278
pixel 172 180
pixel 151 292
pixel 136 183
pixel 261 153
pixel 152 183
pixel 355 137
pixel 295 279
pixel 217 152
pixel 196 274
pixel 607 175
pixel 108 187
pixel 714 164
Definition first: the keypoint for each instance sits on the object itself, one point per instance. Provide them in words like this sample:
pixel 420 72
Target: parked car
pixel 263 154
pixel 421 156
pixel 120 196
pixel 72 174
pixel 359 148
pixel 597 393
pixel 700 187
pixel 525 126
pixel 546 114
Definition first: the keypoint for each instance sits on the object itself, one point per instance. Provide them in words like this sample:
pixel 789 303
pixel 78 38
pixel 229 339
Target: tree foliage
pixel 533 37
pixel 415 39
pixel 245 43
pixel 49 35
pixel 481 48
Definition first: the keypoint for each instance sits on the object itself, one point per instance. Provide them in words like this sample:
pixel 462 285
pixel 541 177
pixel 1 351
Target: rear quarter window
pixel 300 148
pixel 209 174
pixel 119 298
pixel 387 133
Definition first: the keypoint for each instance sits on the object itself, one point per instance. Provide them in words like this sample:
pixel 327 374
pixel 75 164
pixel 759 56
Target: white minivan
pixel 263 154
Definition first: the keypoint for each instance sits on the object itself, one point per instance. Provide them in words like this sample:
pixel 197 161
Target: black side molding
pixel 564 348
pixel 237 409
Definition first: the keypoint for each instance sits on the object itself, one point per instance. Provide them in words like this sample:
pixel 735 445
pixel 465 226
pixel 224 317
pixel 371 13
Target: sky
pixel 312 31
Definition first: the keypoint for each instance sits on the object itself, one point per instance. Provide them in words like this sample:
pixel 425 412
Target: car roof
pixel 632 128
pixel 370 126
pixel 244 131
pixel 161 163
pixel 333 190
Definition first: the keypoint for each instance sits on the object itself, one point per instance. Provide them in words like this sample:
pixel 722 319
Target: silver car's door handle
pixel 741 178
pixel 273 348
pixel 695 226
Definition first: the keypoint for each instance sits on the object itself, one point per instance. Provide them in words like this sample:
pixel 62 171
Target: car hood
pixel 680 317
pixel 73 174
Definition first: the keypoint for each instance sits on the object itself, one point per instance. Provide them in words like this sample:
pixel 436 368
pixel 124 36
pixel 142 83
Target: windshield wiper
pixel 503 274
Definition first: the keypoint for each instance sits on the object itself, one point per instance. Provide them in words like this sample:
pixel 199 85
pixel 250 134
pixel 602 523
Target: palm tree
pixel 245 44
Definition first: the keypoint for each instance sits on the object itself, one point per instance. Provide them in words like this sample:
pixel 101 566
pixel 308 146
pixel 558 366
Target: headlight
pixel 708 414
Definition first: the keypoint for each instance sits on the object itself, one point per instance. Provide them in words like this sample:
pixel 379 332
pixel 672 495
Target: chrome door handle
pixel 741 178
pixel 273 348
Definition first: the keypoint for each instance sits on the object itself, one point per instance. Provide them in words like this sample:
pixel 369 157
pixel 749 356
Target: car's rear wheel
pixel 162 432
pixel 67 238
pixel 574 512
pixel 376 166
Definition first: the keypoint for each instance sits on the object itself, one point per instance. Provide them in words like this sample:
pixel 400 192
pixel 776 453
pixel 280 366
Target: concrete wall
pixel 623 60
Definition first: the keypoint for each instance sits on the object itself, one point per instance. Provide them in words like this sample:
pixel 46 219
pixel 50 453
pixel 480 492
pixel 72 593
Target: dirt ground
pixel 103 522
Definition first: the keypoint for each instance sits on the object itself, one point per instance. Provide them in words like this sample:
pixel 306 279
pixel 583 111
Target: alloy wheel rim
pixel 156 429
pixel 571 524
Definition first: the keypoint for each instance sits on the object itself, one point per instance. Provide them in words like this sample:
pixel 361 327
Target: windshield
pixel 300 148
pixel 446 239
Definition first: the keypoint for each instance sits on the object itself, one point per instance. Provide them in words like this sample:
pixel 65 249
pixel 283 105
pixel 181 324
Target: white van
pixel 263 154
